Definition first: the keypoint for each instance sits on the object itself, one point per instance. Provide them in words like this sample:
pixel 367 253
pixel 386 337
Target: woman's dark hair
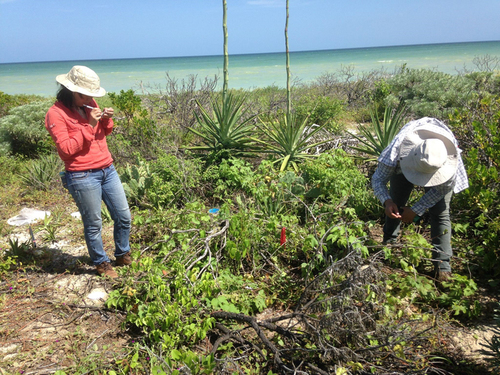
pixel 65 96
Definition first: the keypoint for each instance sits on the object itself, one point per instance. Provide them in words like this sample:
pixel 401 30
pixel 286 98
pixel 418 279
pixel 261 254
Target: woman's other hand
pixel 107 112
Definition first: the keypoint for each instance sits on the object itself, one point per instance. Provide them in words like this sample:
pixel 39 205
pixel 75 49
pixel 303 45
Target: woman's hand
pixel 107 112
pixel 94 116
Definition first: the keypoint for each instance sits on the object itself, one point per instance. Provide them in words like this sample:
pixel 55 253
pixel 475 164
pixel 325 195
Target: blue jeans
pixel 88 189
pixel 439 214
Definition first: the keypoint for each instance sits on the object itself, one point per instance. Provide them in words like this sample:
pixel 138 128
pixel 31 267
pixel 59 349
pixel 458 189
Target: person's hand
pixel 407 215
pixel 391 209
pixel 95 116
pixel 107 112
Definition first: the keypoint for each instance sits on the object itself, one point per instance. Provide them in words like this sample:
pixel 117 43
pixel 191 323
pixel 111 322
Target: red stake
pixel 283 237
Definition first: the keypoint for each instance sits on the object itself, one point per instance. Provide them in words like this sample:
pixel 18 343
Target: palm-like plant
pixel 374 138
pixel 227 128
pixel 290 139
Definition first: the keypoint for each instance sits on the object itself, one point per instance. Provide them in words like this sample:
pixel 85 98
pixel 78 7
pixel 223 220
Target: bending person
pixel 424 153
pixel 79 129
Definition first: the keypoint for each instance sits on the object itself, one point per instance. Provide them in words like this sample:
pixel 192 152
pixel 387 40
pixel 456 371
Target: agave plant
pixel 290 139
pixel 374 138
pixel 228 129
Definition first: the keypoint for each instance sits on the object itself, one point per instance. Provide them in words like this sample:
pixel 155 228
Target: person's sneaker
pixel 443 276
pixel 390 241
pixel 124 260
pixel 105 269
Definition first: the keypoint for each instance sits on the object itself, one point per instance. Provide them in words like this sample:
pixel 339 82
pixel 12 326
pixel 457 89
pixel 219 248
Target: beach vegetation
pixel 289 139
pixel 265 264
pixel 22 131
pixel 429 93
pixel 227 130
pixel 377 135
pixel 43 173
pixel 10 101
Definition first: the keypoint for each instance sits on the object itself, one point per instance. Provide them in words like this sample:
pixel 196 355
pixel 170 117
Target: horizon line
pixel 246 54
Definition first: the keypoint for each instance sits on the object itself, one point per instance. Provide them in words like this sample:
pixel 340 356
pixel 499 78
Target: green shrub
pixel 234 175
pixel 10 101
pixel 478 207
pixel 136 181
pixel 43 173
pixel 429 93
pixel 23 132
pixel 334 179
pixel 136 130
pixel 320 109
pixel 178 180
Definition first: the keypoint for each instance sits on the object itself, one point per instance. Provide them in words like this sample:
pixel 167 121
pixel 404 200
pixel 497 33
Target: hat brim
pixel 63 80
pixel 408 164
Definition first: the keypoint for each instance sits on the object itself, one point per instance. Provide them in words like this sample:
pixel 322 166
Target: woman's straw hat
pixel 428 158
pixel 83 80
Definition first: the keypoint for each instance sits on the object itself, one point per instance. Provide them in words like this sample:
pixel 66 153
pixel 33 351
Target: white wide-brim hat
pixel 83 80
pixel 428 157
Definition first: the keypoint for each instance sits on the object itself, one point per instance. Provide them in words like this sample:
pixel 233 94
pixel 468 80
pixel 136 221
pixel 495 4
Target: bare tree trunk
pixel 288 103
pixel 226 58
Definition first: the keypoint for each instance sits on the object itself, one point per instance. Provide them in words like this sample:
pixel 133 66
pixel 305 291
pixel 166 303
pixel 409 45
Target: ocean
pixel 246 71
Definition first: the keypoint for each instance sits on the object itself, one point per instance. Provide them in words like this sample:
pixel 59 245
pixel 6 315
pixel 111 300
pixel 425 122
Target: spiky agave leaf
pixel 226 128
pixel 377 136
pixel 289 139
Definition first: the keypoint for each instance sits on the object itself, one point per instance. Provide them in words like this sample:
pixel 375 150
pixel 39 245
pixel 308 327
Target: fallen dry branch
pixel 334 322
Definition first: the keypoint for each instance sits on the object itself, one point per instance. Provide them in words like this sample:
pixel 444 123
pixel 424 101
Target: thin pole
pixel 288 99
pixel 226 58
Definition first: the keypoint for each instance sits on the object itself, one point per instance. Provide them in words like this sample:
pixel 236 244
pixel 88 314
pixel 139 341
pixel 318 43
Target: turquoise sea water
pixel 246 71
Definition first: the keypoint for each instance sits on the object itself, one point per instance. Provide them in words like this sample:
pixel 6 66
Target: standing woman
pixel 79 129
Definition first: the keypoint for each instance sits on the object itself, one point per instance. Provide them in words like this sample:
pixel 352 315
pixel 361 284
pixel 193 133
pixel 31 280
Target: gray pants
pixel 400 190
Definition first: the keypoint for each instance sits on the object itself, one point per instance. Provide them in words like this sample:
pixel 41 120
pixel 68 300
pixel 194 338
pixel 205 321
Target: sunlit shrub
pixel 338 183
pixel 23 132
pixel 429 93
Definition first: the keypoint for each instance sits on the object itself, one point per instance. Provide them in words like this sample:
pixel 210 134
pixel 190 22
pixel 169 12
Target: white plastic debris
pixel 28 216
pixel 97 294
pixel 76 215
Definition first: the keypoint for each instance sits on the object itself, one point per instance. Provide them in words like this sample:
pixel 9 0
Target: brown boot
pixel 105 269
pixel 443 276
pixel 124 260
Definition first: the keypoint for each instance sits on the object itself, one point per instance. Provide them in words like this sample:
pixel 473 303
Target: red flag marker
pixel 283 237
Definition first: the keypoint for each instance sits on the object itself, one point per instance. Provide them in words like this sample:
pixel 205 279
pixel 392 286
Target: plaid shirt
pixel 389 165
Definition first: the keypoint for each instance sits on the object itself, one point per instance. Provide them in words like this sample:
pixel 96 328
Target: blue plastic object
pixel 213 211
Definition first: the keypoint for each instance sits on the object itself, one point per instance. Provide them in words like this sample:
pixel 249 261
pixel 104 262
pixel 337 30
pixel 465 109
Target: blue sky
pixel 53 30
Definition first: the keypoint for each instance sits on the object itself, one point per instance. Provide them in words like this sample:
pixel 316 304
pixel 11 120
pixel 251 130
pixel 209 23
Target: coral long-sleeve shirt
pixel 80 146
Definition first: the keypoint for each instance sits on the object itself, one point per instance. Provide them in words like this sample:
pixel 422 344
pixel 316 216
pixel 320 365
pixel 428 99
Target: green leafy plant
pixel 7 102
pixel 136 180
pixel 129 104
pixel 334 182
pixel 51 225
pixel 479 205
pixel 227 131
pixel 320 109
pixel 42 173
pixel 374 138
pixel 6 263
pixel 429 93
pixel 21 251
pixel 22 131
pixel 290 140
